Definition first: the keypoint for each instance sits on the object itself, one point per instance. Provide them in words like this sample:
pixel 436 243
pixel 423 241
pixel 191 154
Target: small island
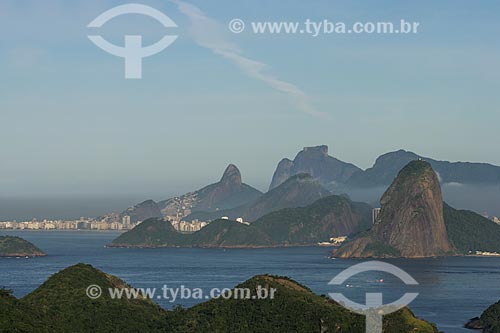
pixel 11 246
pixel 488 322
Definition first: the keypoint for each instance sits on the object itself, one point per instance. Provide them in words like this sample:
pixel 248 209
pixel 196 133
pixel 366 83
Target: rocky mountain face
pixel 411 221
pixel 316 162
pixel 142 211
pixel 388 165
pixel 412 217
pixel 298 191
pixel 228 193
pixel 282 173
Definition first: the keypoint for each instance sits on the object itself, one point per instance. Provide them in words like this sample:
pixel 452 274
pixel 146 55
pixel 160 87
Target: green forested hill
pixel 328 217
pixel 11 246
pixel 469 231
pixel 61 305
pixel 489 322
pixel 294 309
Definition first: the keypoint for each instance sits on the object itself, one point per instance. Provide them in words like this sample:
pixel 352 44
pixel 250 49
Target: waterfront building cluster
pixel 81 224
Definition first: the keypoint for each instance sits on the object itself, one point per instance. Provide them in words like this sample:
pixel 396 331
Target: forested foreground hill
pixel 61 305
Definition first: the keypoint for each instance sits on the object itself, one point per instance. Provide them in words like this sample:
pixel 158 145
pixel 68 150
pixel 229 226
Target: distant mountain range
pixel 332 216
pixel 298 191
pixel 387 167
pixel 414 221
pixel 290 187
pixel 333 173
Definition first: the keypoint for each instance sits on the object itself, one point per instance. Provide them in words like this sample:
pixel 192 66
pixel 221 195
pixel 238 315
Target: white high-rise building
pixel 126 220
pixel 376 215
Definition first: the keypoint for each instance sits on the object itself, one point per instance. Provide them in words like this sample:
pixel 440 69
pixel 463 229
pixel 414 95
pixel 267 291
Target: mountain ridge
pixel 316 162
pixel 387 166
pixel 299 190
pixel 332 216
pixel 228 192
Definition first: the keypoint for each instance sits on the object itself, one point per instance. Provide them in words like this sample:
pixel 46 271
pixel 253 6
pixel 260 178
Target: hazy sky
pixel 71 125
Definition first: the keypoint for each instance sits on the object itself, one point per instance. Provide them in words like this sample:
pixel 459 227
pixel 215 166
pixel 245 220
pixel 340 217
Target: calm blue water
pixel 452 290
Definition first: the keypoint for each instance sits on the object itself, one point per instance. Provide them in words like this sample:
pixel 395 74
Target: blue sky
pixel 71 125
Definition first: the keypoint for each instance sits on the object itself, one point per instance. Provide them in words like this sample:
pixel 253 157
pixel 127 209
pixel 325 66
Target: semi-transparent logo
pixel 133 52
pixel 374 308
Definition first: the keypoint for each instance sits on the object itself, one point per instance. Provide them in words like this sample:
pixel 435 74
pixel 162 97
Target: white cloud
pixel 210 34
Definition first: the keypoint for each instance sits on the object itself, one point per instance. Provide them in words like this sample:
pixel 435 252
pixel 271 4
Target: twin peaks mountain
pixel 298 191
pixel 316 162
pixel 229 192
pixel 232 198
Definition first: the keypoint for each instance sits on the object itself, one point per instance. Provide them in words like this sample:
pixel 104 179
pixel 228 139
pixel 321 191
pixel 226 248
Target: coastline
pixel 125 246
pixel 62 230
pixel 18 255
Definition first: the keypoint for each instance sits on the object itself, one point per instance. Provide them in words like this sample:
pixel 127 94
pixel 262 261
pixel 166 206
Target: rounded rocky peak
pixel 399 155
pixel 286 162
pixel 148 202
pixel 232 175
pixel 415 177
pixel 416 168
